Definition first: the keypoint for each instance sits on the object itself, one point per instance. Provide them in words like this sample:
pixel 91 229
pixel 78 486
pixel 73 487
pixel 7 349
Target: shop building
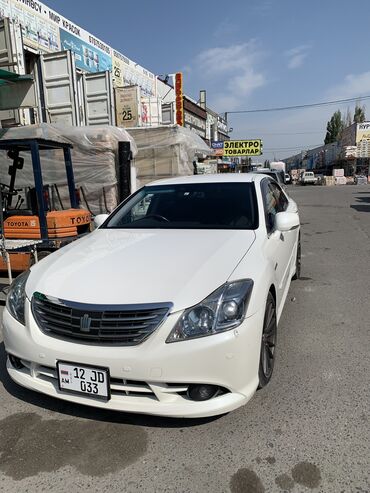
pixel 351 153
pixel 78 79
pixel 217 129
pixel 74 72
pixel 195 117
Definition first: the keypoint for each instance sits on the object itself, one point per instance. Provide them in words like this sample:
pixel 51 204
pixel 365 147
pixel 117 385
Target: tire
pixel 268 343
pixel 298 262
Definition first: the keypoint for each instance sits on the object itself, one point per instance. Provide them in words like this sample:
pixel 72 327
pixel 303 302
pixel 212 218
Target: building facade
pixel 78 78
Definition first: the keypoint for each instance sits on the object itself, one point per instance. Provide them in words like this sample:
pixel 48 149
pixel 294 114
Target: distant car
pixel 170 307
pixel 287 178
pixel 307 178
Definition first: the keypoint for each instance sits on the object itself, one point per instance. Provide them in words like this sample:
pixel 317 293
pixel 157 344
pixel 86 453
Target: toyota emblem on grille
pixel 85 323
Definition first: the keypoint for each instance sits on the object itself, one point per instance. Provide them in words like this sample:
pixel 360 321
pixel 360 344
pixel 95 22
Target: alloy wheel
pixel 268 344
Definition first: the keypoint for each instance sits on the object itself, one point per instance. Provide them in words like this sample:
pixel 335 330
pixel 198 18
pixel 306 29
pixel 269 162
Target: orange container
pixel 18 261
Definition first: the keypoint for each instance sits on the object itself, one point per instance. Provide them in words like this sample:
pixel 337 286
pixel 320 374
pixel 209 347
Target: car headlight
pixel 223 310
pixel 16 297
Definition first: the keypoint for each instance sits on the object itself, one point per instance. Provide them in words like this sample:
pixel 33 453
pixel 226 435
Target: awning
pixel 17 91
pixel 7 77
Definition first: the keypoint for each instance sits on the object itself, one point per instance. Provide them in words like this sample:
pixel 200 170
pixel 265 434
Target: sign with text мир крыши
pixel 243 147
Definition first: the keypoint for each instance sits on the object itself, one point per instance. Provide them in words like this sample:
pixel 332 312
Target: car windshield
pixel 189 206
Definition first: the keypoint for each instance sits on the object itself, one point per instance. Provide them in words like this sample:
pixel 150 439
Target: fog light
pixel 202 392
pixel 15 362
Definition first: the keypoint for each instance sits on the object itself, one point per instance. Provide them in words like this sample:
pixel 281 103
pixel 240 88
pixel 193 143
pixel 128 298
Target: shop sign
pixel 363 139
pixel 363 132
pixel 87 56
pixel 33 18
pixel 127 106
pixel 179 99
pixel 217 144
pixel 47 31
pixel 127 73
pixel 119 64
pixel 243 147
pixel 195 123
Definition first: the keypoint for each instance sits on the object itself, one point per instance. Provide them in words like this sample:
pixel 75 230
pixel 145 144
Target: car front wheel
pixel 268 343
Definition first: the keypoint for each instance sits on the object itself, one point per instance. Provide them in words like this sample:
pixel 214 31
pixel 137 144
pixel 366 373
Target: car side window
pixel 274 200
pixel 269 205
pixel 281 198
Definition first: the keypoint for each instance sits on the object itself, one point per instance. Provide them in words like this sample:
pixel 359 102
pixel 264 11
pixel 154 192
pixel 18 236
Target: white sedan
pixel 170 307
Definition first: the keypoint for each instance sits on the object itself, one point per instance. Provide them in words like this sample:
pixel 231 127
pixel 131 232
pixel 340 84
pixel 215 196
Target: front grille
pixel 126 325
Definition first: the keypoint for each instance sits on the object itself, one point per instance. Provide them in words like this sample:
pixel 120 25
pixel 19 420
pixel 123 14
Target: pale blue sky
pixel 246 54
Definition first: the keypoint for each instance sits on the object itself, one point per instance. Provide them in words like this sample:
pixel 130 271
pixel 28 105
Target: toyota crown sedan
pixel 170 307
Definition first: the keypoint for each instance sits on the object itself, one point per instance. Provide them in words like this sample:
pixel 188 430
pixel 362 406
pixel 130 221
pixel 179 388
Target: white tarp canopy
pixel 166 151
pixel 159 152
pixel 93 156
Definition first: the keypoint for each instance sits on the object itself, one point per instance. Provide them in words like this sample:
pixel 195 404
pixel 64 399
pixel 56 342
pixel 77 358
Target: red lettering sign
pixel 179 99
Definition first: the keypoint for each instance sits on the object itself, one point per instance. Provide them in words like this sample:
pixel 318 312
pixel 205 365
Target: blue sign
pixel 87 57
pixel 217 144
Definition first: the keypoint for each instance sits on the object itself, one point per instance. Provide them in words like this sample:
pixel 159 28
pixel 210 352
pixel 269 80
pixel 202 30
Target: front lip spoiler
pixel 138 405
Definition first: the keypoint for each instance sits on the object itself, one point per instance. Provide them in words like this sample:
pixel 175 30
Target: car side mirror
pixel 285 221
pixel 99 219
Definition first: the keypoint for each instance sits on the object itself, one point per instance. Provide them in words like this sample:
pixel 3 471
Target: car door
pixel 280 246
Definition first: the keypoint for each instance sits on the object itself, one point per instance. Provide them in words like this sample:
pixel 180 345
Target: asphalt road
pixel 308 430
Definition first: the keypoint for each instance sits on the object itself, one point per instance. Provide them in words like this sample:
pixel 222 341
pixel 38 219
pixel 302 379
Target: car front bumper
pixel 150 378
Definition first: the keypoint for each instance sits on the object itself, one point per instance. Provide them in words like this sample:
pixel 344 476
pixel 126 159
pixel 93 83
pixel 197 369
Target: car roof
pixel 210 178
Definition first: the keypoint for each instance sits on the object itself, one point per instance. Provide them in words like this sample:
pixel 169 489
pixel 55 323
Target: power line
pixel 298 106
pixel 281 133
pixel 291 148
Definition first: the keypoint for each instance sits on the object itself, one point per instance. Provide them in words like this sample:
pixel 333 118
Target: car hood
pixel 141 266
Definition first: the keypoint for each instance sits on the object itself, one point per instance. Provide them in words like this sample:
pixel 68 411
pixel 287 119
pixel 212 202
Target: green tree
pixel 359 116
pixel 334 128
pixel 348 118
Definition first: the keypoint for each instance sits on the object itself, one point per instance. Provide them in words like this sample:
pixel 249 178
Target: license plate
pixel 88 380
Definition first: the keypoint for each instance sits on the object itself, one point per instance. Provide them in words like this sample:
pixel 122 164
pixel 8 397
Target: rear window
pixel 189 206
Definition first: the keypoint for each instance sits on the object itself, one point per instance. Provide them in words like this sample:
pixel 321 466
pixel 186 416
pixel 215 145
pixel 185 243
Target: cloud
pixel 223 59
pixel 225 28
pixel 235 67
pixel 304 128
pixel 353 85
pixel 263 8
pixel 297 55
